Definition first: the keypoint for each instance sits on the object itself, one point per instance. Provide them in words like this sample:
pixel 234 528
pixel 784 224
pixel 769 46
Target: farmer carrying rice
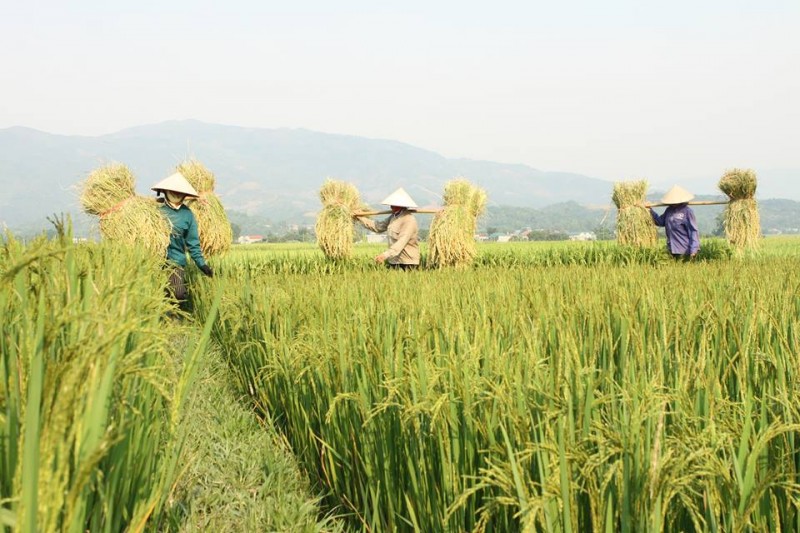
pixel 679 223
pixel 184 233
pixel 401 227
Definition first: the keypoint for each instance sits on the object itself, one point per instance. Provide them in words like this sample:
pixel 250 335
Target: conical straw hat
pixel 399 198
pixel 175 183
pixel 677 195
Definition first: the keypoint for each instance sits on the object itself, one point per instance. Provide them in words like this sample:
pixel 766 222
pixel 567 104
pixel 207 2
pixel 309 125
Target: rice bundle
pixel 334 227
pixel 107 187
pixel 741 217
pixel 216 233
pixel 124 217
pixel 635 225
pixel 197 175
pixel 452 235
pixel 138 222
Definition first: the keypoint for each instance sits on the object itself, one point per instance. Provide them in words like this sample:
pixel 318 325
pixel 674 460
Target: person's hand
pixel 380 258
pixel 207 271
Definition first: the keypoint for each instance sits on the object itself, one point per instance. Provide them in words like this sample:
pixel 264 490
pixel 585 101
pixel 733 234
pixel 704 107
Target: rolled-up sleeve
pixel 378 227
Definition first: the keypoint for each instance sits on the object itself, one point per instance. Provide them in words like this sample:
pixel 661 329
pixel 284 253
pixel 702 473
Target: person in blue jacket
pixel 679 223
pixel 184 235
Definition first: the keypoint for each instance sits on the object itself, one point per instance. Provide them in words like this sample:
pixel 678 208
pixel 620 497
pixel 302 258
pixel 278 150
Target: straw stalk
pixel 635 226
pixel 216 234
pixel 334 228
pixel 741 217
pixel 452 234
pixel 124 217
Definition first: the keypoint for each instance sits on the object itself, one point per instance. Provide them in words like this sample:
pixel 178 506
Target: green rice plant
pixel 553 398
pixel 90 390
pixel 599 254
pixel 239 473
pixel 298 258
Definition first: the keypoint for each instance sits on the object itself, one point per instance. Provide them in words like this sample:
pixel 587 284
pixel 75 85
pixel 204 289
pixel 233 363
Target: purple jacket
pixel 679 223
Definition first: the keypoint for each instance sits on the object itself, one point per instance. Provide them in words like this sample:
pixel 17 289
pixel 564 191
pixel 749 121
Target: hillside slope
pixel 274 172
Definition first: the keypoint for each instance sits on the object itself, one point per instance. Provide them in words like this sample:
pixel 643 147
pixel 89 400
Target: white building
pixel 377 238
pixel 585 236
pixel 250 239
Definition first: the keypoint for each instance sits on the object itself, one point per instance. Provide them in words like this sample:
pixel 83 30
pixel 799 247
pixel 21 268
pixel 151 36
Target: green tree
pixel 603 233
pixel 237 231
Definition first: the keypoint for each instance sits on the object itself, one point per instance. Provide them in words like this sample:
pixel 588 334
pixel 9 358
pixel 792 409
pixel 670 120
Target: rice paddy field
pixel 548 387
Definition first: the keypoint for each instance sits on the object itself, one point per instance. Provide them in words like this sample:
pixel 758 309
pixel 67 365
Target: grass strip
pixel 240 474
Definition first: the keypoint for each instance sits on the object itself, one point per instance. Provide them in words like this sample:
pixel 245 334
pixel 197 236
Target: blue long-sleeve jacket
pixel 184 236
pixel 680 225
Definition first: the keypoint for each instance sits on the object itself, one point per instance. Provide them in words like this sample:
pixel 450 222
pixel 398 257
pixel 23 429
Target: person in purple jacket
pixel 679 223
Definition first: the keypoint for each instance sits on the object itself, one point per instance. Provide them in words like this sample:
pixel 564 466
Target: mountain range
pixel 271 173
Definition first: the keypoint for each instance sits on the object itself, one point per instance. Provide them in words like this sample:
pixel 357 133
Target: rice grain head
pixel 106 188
pixel 451 242
pixel 197 175
pixel 739 184
pixel 138 222
pixel 741 217
pixel 334 226
pixel 635 226
pixel 213 226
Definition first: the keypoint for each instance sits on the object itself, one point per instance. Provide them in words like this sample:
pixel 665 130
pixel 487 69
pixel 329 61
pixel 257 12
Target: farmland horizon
pixel 781 178
pixel 276 173
pixel 571 377
pixel 675 93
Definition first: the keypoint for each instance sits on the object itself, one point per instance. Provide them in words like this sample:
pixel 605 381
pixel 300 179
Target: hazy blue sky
pixel 618 89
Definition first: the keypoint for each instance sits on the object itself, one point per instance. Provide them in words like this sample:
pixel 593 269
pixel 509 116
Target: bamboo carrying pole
pixel 389 211
pixel 699 202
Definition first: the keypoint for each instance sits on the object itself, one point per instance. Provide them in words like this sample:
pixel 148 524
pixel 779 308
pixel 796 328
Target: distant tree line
pixel 553 222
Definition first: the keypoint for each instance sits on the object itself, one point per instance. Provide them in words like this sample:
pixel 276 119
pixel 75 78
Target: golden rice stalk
pixel 334 227
pixel 138 222
pixel 635 226
pixel 106 188
pixel 213 226
pixel 451 242
pixel 126 218
pixel 197 175
pixel 457 192
pixel 741 217
pixel 452 235
pixel 739 184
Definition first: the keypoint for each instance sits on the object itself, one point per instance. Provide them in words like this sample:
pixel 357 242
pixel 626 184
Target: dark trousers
pixel 177 283
pixel 399 266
